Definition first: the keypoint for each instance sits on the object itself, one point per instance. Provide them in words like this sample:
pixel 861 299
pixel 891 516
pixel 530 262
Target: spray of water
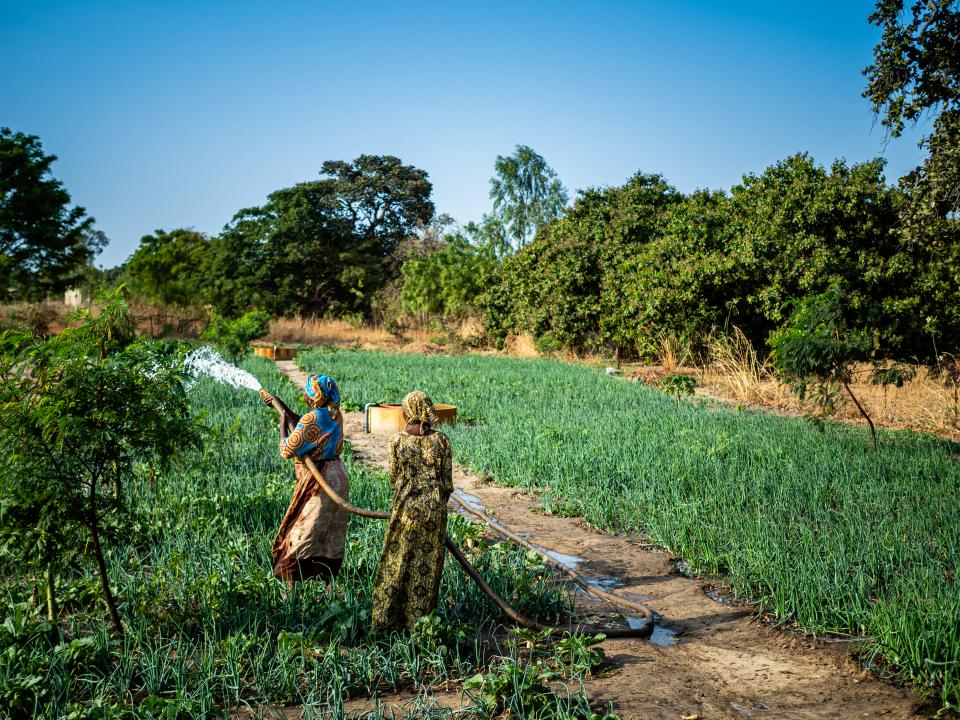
pixel 206 361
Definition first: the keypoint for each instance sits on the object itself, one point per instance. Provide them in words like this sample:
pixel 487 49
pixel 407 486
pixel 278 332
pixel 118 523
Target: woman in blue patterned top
pixel 313 532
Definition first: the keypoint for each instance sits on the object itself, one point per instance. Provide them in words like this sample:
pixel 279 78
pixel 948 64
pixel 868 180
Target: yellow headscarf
pixel 418 408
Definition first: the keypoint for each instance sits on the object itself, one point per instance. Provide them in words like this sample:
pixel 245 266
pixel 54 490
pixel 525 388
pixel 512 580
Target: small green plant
pixel 818 346
pixel 678 385
pixel 523 689
pixel 77 411
pixel 580 653
pixel 232 336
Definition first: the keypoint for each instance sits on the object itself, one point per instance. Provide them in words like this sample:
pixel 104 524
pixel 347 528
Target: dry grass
pixel 521 345
pixel 410 336
pixel 156 320
pixel 673 353
pixel 928 402
pixel 737 372
pixel 314 331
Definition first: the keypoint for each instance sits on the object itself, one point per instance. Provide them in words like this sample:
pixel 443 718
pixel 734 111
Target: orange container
pixel 386 418
pixel 275 352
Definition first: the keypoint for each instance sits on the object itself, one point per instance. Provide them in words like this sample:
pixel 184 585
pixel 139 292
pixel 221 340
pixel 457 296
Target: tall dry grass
pixel 928 402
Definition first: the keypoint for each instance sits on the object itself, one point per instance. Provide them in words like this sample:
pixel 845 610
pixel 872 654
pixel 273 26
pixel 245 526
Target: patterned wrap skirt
pixel 312 535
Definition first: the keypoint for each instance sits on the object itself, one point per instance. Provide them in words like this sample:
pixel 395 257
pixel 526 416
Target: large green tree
pixel 526 194
pixel 45 244
pixel 167 266
pixel 320 247
pixel 450 280
pixel 382 200
pixel 916 74
pixel 567 286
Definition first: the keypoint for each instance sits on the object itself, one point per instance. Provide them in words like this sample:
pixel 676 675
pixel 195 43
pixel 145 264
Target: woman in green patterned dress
pixel 421 476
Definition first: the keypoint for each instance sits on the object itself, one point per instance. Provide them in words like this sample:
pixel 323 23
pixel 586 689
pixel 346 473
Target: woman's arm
pixel 288 418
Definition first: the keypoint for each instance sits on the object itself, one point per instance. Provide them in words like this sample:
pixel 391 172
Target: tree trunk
pixel 51 598
pixel 873 430
pixel 94 529
pixel 104 580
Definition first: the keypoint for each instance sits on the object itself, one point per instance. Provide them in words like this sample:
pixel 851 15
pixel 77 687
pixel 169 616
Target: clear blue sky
pixel 167 114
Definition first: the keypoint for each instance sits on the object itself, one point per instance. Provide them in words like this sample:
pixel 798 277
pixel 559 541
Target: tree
pixel 382 199
pixel 916 70
pixel 818 348
pixel 448 281
pixel 44 243
pixel 798 226
pixel 77 410
pixel 167 266
pixel 567 286
pixel 232 336
pixel 526 194
pixel 320 247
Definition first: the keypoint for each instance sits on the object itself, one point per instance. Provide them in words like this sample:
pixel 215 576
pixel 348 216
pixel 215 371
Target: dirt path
pixel 721 662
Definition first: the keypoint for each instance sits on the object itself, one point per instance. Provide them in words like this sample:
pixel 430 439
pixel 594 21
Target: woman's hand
pixel 266 397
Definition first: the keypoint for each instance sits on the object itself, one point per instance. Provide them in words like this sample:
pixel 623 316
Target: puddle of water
pixel 662 635
pixel 741 709
pixel 721 596
pixel 568 560
pixel 470 500
pixel 607 582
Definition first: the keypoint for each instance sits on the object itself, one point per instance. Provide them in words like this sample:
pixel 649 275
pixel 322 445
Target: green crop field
pixel 210 631
pixel 801 516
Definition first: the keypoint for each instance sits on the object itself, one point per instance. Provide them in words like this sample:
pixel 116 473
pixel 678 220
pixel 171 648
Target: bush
pixel 232 336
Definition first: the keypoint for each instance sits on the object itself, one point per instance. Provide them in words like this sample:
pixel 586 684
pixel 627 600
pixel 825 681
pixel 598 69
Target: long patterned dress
pixel 408 576
pixel 313 532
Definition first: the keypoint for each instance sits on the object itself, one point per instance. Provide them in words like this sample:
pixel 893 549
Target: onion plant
pixel 801 517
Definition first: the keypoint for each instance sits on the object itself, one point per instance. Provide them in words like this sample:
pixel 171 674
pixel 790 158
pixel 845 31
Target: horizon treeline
pixel 618 270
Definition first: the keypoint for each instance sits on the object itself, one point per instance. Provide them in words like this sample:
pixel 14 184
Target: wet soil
pixel 709 659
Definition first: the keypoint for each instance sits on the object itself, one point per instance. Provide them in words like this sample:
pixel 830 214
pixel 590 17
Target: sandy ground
pixel 707 660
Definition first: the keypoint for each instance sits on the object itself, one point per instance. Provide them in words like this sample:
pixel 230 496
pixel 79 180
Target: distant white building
pixel 73 298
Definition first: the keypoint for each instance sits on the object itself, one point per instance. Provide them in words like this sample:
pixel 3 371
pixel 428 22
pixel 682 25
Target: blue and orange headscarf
pixel 322 391
pixel 322 427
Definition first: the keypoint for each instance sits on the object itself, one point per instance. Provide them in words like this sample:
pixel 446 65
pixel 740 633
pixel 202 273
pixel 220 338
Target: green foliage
pixel 209 629
pixel 914 76
pixel 449 281
pixel 567 286
pixel 79 409
pixel 678 385
pixel 168 267
pixel 625 267
pixel 817 343
pixel 521 689
pixel 526 194
pixel 44 243
pixel 233 336
pixel 321 247
pixel 817 346
pixel 813 520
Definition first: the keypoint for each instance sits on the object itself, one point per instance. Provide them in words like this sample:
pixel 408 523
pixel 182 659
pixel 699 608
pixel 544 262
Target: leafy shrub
pixel 232 336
